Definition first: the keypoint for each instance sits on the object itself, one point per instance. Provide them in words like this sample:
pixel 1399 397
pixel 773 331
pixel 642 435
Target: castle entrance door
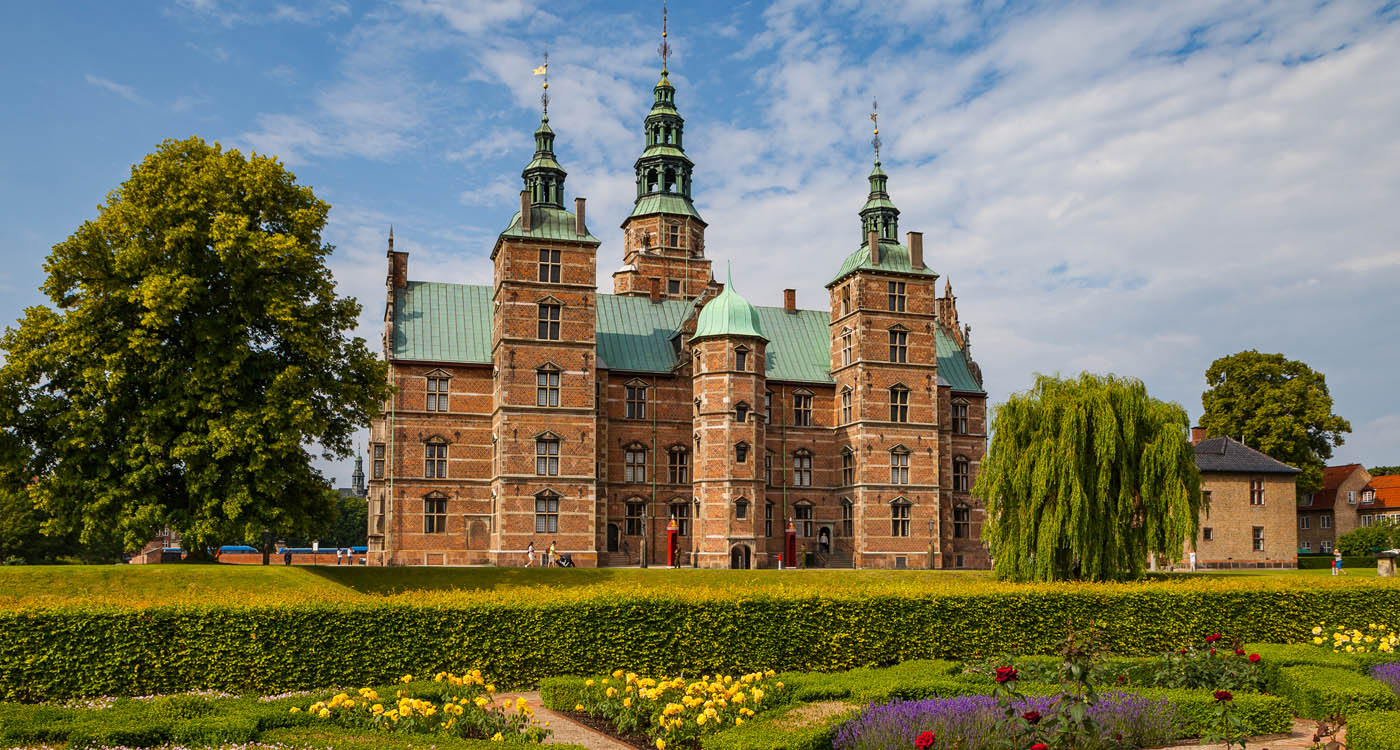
pixel 614 535
pixel 739 557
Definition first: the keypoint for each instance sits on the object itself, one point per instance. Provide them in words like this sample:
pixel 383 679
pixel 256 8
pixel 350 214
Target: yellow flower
pixel 520 703
pixel 588 683
pixel 626 702
pixel 1318 641
pixel 700 720
pixel 481 702
pixel 498 738
pixel 612 692
pixel 660 744
pixel 738 721
pixel 578 706
pixel 325 713
pixel 295 710
pixel 406 678
pixel 1317 630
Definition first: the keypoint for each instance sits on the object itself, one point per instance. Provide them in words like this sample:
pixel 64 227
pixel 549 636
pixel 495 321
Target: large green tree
pixel 1383 471
pixel 194 349
pixel 1277 406
pixel 1084 478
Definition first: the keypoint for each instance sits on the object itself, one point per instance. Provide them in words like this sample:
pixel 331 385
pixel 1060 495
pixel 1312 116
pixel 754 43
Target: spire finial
pixel 665 47
pixel 543 70
pixel 875 118
pixel 391 238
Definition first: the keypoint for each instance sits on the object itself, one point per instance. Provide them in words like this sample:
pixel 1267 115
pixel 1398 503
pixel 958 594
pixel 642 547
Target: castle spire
pixel 663 170
pixel 879 214
pixel 544 178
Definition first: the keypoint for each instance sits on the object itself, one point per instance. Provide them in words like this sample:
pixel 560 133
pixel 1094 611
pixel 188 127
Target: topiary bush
pixel 1373 730
pixel 1318 692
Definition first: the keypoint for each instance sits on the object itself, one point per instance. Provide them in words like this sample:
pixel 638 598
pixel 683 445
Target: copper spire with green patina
pixel 879 214
pixel 663 170
pixel 728 314
pixel 544 178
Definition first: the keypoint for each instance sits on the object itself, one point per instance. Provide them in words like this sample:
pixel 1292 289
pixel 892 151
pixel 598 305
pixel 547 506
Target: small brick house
pixel 1251 520
pixel 538 409
pixel 1335 509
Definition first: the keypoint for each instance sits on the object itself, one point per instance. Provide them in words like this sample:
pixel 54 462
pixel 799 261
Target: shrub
pixel 1210 663
pixel 1388 674
pixel 75 651
pixel 676 711
pixel 1259 714
pixel 1324 562
pixel 1319 692
pixel 1373 730
pixel 792 728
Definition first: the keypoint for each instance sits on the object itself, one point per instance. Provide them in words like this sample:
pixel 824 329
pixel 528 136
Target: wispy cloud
pixel 120 89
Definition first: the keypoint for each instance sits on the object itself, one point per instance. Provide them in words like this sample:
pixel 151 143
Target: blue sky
pixel 1131 188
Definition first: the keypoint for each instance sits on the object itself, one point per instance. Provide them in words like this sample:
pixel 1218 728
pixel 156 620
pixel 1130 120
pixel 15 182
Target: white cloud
pixel 126 92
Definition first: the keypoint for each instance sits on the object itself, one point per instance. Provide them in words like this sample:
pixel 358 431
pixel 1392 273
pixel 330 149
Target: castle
pixel 673 422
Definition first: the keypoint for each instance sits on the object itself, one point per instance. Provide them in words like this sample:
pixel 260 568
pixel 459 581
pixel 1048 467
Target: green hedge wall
pixel 1373 730
pixel 59 653
pixel 1324 562
pixel 1319 692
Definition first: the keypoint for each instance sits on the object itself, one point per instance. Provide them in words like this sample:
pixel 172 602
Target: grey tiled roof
pixel 1227 454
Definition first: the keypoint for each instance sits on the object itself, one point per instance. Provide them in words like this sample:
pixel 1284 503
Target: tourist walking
pixel 1193 560
pixel 530 555
pixel 550 556
pixel 1337 564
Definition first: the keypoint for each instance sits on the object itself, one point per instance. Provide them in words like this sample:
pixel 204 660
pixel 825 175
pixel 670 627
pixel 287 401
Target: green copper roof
pixel 665 203
pixel 894 258
pixel 664 149
pixel 436 322
pixel 878 202
pixel 548 223
pixel 728 314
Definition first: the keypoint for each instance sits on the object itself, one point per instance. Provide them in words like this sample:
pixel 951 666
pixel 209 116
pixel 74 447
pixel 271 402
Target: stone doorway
pixel 740 558
pixel 614 537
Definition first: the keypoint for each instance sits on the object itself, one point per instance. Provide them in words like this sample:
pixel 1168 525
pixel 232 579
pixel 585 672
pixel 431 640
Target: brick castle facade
pixel 671 418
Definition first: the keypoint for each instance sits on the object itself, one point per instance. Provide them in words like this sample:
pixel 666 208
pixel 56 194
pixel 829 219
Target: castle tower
pixel 543 344
pixel 663 245
pixel 884 361
pixel 729 351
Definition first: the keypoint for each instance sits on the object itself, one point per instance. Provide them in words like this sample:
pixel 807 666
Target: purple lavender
pixel 970 722
pixel 1389 673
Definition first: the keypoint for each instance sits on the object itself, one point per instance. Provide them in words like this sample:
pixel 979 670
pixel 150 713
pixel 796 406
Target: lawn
pixel 26 587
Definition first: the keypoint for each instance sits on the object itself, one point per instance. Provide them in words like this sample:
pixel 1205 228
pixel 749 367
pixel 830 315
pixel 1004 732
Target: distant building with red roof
pixel 1338 507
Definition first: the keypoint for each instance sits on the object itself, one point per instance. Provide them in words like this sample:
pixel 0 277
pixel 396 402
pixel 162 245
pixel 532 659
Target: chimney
pixel 524 210
pixel 580 228
pixel 1197 435
pixel 916 249
pixel 790 300
pixel 655 289
pixel 873 240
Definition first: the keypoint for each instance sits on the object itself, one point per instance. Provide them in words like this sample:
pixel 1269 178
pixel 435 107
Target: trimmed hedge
pixel 786 729
pixel 1373 730
pixel 70 652
pixel 1324 562
pixel 1318 692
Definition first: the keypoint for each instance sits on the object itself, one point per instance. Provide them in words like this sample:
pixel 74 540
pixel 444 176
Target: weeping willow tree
pixel 1084 478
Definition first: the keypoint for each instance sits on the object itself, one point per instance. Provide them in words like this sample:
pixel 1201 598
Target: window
pixel 1307 499
pixel 549 322
pixel 546 513
pixel 741 412
pixel 741 509
pixel 634 519
pixel 378 466
pixel 435 514
pixel 1351 497
pixel 1207 534
pixel 767 469
pixel 848 518
pixel 896 296
pixel 547 457
pixel 1366 520
pixel 1325 546
pixel 673 287
pixel 1304 522
pixel 899 466
pixel 802 409
pixel 846 299
pixel 1258 536
pixel 768 407
pixel 673 232
pixel 1256 492
pixel 768 519
pixel 845 346
pixel 1325 521
pixel 848 467
pixel 678 466
pixel 1368 497
pixel 546 388
pixel 681 512
pixel 802 469
pixel 741 359
pixel 899 519
pixel 549 265
pixel 899 404
pixel 636 402
pixel 435 460
pixel 960 417
pixel 846 406
pixel 437 394
pixel 1307 546
pixel 741 453
pixel 962 522
pixel 803 511
pixel 634 461
pixel 961 480
pixel 899 345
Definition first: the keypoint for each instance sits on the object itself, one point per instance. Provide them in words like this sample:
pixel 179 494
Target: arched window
pixel 961 474
pixel 802 468
pixel 899 465
pixel 741 412
pixel 741 359
pixel 899 517
pixel 435 459
pixel 435 513
pixel 634 463
pixel 848 467
pixel 899 404
pixel 741 452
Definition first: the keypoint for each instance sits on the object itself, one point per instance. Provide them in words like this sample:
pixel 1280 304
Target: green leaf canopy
pixel 1084 478
pixel 194 349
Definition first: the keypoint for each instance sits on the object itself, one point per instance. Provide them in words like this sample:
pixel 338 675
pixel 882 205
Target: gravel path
pixel 566 730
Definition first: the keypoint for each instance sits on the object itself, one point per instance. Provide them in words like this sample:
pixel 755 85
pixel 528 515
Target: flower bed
pixel 676 711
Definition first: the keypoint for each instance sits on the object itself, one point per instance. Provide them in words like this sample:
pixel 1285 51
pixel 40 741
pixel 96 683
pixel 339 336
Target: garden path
pixel 1301 738
pixel 566 730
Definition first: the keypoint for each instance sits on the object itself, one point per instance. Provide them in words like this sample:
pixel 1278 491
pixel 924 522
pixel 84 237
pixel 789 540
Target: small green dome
pixel 728 315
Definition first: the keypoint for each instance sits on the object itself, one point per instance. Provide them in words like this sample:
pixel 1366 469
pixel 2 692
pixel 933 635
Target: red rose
pixel 924 741
pixel 1122 678
pixel 1253 657
pixel 1183 650
pixel 1005 674
pixel 1040 746
pixel 1212 638
pixel 1239 652
pixel 1031 716
pixel 1224 695
pixel 1212 652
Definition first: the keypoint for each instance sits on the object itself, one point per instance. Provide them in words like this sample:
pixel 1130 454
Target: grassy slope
pixel 24 587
